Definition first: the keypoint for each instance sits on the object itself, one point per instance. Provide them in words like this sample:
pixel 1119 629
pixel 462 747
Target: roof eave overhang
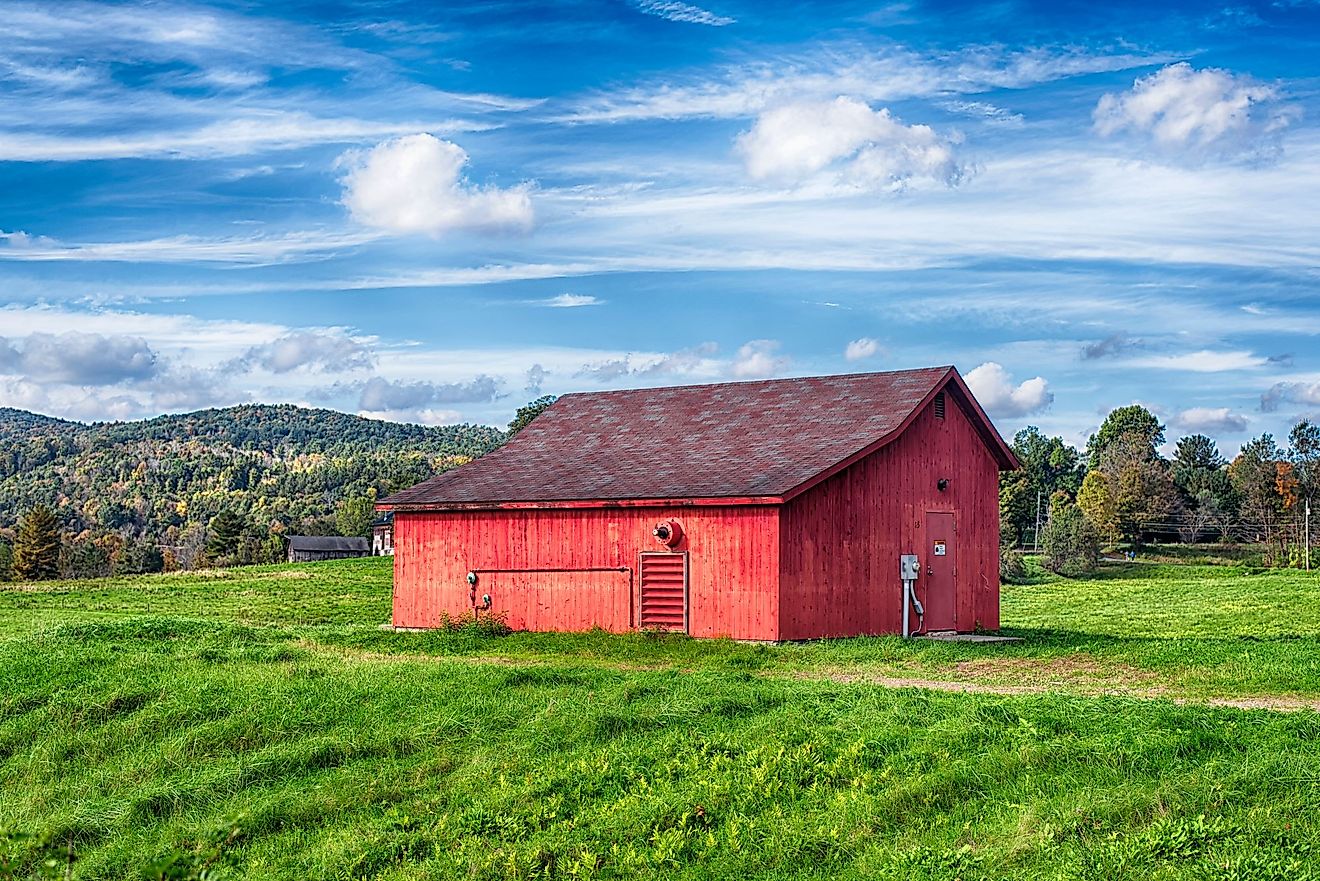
pixel 704 501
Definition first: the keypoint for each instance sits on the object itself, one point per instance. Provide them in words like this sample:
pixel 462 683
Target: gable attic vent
pixel 939 405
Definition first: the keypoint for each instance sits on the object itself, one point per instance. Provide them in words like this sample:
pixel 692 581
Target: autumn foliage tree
pixel 1137 487
pixel 1096 500
pixel 1257 479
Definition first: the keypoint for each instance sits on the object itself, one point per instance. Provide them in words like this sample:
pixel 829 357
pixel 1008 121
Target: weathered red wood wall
pixel 732 577
pixel 840 541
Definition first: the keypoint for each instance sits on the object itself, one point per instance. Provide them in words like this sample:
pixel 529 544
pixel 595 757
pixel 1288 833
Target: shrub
pixel 138 558
pixel 489 624
pixel 82 558
pixel 1012 565
pixel 1069 543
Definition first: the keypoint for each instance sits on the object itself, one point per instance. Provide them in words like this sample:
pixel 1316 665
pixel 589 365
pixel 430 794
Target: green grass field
pixel 256 723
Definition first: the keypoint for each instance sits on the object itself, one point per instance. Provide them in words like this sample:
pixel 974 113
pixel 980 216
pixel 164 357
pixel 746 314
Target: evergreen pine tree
pixel 37 547
pixel 226 529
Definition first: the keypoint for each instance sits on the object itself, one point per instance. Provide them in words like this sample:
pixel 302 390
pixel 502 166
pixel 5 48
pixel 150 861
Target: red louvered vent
pixel 663 592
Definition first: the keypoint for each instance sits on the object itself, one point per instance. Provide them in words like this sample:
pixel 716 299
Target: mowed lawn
pixel 257 724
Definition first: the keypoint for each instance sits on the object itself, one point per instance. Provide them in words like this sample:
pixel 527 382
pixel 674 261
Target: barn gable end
pixel 840 540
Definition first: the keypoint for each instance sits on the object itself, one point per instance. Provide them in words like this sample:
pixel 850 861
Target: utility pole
pixel 1308 535
pixel 1036 538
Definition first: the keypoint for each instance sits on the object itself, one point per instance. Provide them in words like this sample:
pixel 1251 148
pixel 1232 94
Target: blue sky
pixel 435 212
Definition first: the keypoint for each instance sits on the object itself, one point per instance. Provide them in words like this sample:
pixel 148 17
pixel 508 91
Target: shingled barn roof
pixel 328 543
pixel 745 441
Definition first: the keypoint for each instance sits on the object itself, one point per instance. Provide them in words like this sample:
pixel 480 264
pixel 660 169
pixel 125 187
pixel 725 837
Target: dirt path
pixel 1253 702
pixel 1080 676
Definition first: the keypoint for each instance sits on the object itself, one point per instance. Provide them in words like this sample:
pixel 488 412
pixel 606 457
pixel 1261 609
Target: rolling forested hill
pixel 280 466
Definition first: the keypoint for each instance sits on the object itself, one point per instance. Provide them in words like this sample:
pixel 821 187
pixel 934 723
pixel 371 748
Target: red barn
pixel 772 510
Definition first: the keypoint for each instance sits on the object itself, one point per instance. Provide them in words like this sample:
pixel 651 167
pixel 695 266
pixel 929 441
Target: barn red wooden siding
pixel 733 554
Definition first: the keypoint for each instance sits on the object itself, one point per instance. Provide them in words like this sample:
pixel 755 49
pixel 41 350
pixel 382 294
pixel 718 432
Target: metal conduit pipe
pixel 474 575
pixel 909 569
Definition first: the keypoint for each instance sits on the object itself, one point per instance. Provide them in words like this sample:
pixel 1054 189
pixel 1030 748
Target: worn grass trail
pixel 256 724
pixel 1182 632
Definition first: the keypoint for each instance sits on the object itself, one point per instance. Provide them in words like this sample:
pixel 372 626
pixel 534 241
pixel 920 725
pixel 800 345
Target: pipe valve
pixel 668 532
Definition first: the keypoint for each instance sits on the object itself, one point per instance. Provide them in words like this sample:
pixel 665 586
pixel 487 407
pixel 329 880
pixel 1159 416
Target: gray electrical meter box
pixel 909 567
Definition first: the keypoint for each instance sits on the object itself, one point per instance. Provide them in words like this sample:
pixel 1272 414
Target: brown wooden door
pixel 939 563
pixel 663 592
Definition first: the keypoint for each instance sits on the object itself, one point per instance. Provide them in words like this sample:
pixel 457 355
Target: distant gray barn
pixel 310 548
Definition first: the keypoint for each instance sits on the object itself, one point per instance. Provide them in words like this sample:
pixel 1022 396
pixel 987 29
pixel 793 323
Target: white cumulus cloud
pixel 310 350
pixel 1209 110
pixel 994 389
pixel 1210 419
pixel 415 184
pixel 864 148
pixel 85 359
pixel 758 359
pixel 696 360
pixel 861 349
pixel 1305 393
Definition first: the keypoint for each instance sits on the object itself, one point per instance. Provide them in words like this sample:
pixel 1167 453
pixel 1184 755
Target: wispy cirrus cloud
pixel 165 32
pixel 252 132
pixel 91 81
pixel 1204 361
pixel 567 301
pixel 253 249
pixel 675 10
pixel 750 86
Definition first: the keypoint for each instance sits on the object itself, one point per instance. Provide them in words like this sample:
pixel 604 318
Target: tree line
pixel 216 487
pixel 1122 491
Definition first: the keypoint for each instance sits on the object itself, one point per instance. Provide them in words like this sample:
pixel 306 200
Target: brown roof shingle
pixel 725 440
